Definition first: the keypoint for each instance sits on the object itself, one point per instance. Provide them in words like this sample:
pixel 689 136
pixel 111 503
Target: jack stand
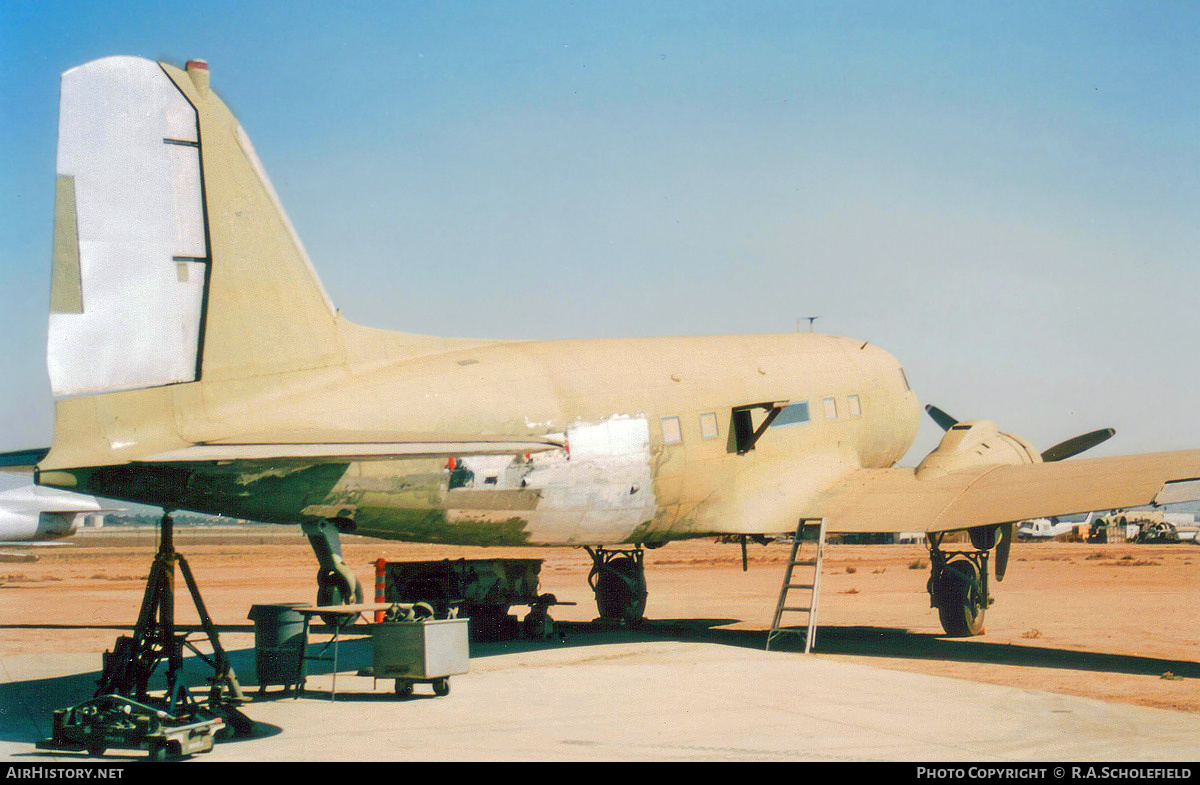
pixel 133 660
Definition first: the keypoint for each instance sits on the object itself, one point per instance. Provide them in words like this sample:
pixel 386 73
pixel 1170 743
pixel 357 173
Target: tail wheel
pixel 333 589
pixel 621 590
pixel 959 600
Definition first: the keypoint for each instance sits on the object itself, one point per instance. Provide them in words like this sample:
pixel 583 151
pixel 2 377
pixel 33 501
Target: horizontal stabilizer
pixel 22 460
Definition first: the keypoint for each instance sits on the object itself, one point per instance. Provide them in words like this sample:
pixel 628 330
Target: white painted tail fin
pixel 184 308
pixel 130 246
pixel 173 260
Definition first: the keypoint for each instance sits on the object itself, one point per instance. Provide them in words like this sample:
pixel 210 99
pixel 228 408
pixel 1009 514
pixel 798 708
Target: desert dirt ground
pixel 1118 622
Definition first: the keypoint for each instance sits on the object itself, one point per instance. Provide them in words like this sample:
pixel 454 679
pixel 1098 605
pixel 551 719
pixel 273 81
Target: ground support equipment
pixel 412 647
pixel 812 585
pixel 123 708
pixel 483 590
pixel 117 722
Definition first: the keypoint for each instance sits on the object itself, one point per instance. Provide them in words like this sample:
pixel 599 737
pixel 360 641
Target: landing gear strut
pixel 618 578
pixel 336 582
pixel 958 585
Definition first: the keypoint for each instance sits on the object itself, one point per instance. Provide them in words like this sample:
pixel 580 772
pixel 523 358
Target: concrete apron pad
pixel 657 700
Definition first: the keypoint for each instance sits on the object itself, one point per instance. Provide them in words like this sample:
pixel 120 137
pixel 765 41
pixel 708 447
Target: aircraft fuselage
pixel 651 450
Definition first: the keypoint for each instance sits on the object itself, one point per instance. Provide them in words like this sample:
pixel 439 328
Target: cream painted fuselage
pixel 649 450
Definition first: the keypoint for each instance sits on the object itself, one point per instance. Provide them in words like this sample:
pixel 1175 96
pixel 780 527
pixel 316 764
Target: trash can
pixel 279 642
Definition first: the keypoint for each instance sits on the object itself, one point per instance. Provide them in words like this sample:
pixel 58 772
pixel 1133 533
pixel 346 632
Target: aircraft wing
pixel 17 557
pixel 895 500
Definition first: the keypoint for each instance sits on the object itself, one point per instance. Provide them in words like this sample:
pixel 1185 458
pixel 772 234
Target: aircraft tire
pixel 960 609
pixel 332 589
pixel 621 591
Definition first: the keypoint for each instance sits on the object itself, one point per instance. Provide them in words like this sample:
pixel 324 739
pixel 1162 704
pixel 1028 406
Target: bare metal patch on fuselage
pixel 597 490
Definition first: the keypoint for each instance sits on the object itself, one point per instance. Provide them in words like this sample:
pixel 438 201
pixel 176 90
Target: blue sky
pixel 1005 196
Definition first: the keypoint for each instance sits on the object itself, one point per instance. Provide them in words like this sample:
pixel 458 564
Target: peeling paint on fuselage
pixel 598 490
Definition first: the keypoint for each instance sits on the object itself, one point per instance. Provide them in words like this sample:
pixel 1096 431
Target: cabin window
pixel 830 409
pixel 671 431
pixel 792 414
pixel 855 406
pixel 708 426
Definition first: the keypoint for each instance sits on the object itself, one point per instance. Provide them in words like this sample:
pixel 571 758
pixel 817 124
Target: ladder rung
pixel 800 585
pixel 797 610
pixel 805 563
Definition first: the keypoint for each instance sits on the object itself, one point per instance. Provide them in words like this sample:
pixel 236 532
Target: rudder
pixel 124 313
pixel 173 260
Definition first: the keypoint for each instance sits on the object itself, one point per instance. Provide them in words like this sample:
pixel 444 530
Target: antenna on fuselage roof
pixel 811 319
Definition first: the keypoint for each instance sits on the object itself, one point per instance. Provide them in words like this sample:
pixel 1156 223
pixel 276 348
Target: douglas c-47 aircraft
pixel 199 365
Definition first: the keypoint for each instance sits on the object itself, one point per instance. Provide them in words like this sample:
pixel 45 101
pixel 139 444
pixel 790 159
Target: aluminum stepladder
pixel 813 584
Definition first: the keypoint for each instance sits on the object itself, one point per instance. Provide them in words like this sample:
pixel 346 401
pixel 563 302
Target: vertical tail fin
pixel 173 261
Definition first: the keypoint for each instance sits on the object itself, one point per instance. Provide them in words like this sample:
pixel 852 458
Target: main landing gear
pixel 336 582
pixel 618 578
pixel 958 582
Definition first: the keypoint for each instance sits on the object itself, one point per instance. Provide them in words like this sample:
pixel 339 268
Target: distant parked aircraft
pixel 30 515
pixel 1043 528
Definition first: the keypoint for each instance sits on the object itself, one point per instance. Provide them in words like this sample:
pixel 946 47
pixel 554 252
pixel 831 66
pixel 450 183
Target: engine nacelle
pixel 56 525
pixel 975 443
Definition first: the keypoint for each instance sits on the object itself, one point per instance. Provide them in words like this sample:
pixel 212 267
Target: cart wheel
pixel 404 689
pixel 441 687
pixel 158 752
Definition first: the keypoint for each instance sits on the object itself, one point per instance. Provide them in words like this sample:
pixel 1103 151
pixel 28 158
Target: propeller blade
pixel 1003 545
pixel 940 417
pixel 1077 445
